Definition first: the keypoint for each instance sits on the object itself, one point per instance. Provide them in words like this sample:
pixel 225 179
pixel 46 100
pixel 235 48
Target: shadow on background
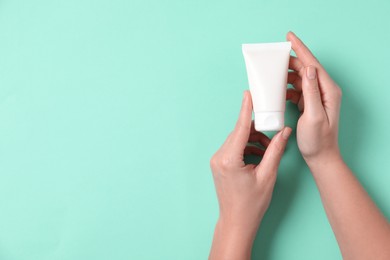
pixel 353 123
pixel 287 184
pixel 285 190
pixel 353 119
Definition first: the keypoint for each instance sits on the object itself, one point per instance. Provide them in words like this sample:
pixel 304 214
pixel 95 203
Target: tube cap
pixel 269 121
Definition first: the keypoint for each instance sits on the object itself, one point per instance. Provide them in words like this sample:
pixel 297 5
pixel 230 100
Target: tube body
pixel 267 69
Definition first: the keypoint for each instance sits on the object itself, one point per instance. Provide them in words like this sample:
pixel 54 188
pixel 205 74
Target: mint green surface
pixel 110 111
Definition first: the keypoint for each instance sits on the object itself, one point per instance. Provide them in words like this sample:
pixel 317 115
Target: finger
pixel 303 53
pixel 311 92
pixel 295 64
pixel 252 150
pixel 240 134
pixel 294 79
pixel 268 167
pixel 308 59
pixel 260 138
pixel 293 95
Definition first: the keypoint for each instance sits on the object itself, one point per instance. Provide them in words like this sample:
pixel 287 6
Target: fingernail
pixel 286 133
pixel 244 95
pixel 311 72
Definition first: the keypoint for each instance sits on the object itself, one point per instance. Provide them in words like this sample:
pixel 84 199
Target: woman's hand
pixel 361 230
pixel 244 191
pixel 318 98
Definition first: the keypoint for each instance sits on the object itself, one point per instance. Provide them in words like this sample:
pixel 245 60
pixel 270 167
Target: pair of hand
pixel 244 191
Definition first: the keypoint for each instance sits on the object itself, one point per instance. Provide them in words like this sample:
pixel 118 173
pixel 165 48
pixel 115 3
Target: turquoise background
pixel 111 110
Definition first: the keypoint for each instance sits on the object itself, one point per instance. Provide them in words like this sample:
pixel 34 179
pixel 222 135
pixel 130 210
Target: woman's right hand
pixel 318 98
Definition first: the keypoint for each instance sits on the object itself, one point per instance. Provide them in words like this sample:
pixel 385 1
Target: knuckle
pixel 221 162
pixel 336 92
pixel 278 148
pixel 339 92
pixel 213 162
pixel 316 119
pixel 225 162
pixel 313 89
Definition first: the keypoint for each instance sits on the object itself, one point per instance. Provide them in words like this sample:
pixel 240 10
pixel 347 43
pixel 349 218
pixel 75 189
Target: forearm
pixel 231 242
pixel 360 229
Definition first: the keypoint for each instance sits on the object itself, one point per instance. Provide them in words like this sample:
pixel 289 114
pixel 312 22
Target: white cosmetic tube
pixel 267 69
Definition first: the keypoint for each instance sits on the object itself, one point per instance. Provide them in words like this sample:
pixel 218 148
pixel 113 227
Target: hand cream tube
pixel 267 68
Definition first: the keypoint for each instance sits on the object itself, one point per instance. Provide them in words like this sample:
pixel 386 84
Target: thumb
pixel 311 92
pixel 270 163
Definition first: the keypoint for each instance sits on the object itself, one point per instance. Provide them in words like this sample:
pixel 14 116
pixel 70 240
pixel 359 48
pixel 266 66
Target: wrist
pixel 324 161
pixel 232 241
pixel 324 158
pixel 237 230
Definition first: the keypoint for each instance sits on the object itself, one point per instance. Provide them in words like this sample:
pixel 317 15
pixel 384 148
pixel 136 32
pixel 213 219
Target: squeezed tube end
pixel 269 121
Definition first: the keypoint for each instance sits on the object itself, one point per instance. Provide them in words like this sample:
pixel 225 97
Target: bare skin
pixel 245 191
pixel 361 230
